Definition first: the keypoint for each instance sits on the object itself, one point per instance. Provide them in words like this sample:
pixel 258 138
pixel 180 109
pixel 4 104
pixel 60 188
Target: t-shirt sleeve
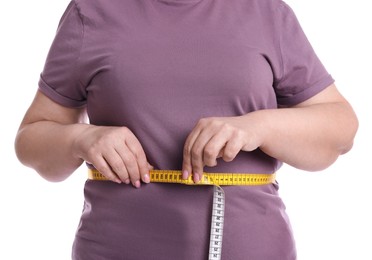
pixel 60 79
pixel 301 74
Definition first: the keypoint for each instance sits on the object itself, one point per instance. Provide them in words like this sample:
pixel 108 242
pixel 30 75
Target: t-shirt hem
pixel 57 97
pixel 306 93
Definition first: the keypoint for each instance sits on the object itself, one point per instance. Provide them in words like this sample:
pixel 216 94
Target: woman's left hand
pixel 308 136
pixel 217 137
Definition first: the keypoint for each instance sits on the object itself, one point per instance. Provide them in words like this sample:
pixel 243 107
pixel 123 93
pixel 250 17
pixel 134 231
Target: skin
pixel 55 140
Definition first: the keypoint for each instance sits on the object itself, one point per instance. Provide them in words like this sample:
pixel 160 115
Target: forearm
pixel 309 138
pixel 46 146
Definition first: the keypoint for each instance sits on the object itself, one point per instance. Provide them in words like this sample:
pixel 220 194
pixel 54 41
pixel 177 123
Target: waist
pixel 219 179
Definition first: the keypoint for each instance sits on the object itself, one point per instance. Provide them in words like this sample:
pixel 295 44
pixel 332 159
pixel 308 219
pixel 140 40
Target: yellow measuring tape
pixel 218 209
pixel 219 179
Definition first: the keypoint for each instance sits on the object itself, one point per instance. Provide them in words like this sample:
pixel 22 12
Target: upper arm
pixel 328 95
pixel 45 109
pixel 337 108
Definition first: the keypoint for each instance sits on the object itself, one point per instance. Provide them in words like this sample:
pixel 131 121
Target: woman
pixel 192 85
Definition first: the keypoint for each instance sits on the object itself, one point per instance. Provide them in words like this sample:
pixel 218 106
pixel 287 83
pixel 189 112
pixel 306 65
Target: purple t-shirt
pixel 157 67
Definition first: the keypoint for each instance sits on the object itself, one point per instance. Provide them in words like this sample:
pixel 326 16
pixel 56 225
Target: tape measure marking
pixel 220 179
pixel 218 214
pixel 218 208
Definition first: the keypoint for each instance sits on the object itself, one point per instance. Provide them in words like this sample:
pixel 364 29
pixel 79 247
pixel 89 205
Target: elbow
pixel 346 148
pixel 48 173
pixel 20 148
pixel 349 134
pixel 25 155
pixel 330 156
pixel 319 164
pixel 351 131
pixel 51 176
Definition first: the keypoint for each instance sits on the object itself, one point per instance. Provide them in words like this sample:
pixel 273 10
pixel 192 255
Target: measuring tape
pixel 218 209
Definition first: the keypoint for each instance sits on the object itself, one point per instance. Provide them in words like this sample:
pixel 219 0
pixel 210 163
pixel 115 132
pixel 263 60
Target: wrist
pixel 79 134
pixel 257 128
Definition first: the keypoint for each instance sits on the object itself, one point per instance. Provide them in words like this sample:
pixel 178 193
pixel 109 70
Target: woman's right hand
pixel 115 152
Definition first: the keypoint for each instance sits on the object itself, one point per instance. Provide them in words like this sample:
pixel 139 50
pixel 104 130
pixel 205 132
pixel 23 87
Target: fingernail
pixel 127 181
pixel 118 181
pixel 196 177
pixel 185 174
pixel 137 184
pixel 146 178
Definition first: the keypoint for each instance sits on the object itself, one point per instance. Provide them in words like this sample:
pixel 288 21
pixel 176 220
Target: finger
pixel 131 165
pixel 149 166
pixel 103 167
pixel 214 149
pixel 231 150
pixel 186 164
pixel 136 149
pixel 197 152
pixel 116 164
pixel 220 153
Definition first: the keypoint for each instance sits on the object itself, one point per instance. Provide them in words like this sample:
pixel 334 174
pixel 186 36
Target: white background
pixel 330 210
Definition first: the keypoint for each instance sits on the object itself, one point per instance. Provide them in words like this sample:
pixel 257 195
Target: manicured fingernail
pixel 137 184
pixel 196 177
pixel 146 178
pixel 185 174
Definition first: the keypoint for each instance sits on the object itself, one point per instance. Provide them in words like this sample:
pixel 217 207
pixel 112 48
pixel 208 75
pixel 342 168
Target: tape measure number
pixel 218 208
pixel 220 179
pixel 218 215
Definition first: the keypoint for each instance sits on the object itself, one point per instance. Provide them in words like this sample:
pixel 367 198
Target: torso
pixel 157 67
